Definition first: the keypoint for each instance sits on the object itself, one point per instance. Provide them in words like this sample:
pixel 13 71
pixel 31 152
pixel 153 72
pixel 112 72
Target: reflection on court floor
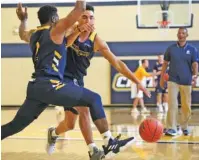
pixel 30 144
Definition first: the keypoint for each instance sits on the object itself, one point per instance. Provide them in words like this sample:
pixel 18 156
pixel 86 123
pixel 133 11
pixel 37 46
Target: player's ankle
pixel 91 147
pixel 106 137
pixel 54 133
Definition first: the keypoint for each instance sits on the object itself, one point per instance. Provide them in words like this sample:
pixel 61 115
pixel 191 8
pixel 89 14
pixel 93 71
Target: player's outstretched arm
pixel 22 14
pixel 58 32
pixel 103 48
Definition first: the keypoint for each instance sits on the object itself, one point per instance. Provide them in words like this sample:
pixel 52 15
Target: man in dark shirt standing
pixel 183 71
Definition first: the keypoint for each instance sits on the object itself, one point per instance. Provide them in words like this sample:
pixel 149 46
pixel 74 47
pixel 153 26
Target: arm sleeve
pixel 195 55
pixel 144 73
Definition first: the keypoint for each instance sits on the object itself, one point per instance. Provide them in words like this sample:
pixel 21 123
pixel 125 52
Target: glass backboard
pixel 150 13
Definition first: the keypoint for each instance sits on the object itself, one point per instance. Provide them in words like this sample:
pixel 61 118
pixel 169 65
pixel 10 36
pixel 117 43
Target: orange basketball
pixel 166 76
pixel 151 130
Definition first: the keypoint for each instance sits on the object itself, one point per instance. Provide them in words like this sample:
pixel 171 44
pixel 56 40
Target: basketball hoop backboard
pixel 177 12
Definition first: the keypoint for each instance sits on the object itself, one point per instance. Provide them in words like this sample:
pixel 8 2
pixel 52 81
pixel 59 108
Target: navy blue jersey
pixel 79 56
pixel 49 58
pixel 157 68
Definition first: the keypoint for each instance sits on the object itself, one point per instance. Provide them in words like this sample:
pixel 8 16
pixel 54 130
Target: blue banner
pixel 121 86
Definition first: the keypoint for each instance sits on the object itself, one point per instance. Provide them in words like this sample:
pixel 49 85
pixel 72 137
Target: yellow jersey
pixel 140 73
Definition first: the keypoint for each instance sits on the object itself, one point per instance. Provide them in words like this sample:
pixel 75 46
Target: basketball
pixel 166 76
pixel 151 130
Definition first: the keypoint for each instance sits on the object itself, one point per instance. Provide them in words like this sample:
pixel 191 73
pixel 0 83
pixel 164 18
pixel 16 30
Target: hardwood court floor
pixel 30 143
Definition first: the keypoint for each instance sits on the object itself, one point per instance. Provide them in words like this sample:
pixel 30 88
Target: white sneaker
pixel 144 110
pixel 134 110
pixel 51 140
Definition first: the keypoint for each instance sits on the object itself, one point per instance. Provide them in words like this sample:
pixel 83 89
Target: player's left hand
pixel 21 13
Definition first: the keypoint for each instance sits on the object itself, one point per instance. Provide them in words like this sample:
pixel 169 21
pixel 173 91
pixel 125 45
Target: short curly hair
pixel 45 13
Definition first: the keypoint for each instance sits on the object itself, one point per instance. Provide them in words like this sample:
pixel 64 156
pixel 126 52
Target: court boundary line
pixel 81 139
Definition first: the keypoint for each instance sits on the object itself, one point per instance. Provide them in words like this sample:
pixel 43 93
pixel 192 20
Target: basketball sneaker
pixel 186 132
pixel 171 132
pixel 96 155
pixel 51 140
pixel 179 131
pixel 115 146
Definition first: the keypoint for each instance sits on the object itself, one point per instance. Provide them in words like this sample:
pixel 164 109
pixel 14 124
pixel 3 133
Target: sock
pixel 159 105
pixel 106 136
pixel 54 134
pixel 91 146
pixel 165 104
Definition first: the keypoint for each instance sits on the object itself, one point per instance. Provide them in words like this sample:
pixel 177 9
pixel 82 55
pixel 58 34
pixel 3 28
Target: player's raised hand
pixel 22 13
pixel 146 92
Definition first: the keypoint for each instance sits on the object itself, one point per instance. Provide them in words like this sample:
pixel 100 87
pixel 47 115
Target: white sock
pixel 91 146
pixel 165 106
pixel 159 105
pixel 106 136
pixel 54 133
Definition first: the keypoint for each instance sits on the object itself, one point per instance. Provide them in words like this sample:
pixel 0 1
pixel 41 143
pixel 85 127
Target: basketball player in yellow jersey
pixel 141 73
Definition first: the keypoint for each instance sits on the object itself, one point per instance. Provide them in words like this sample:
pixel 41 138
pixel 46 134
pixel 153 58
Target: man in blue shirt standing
pixel 183 71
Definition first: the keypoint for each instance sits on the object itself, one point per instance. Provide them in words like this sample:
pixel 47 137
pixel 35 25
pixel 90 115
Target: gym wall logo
pixel 122 84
